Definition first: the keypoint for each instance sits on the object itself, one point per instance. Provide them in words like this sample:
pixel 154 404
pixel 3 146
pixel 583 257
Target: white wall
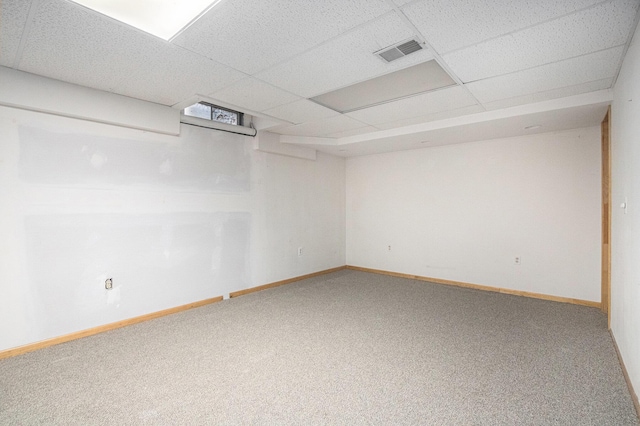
pixel 464 212
pixel 172 219
pixel 625 228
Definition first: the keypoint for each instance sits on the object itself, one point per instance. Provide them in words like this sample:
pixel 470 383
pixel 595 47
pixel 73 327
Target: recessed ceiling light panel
pixel 162 18
pixel 410 81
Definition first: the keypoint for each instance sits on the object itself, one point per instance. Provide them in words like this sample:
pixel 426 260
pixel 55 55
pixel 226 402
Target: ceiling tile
pixel 300 111
pixel 562 92
pixel 354 132
pixel 401 2
pixel 415 106
pixel 167 74
pixel 74 44
pixel 13 17
pixel 600 27
pixel 252 35
pixel 253 94
pixel 472 109
pixel 70 43
pixel 345 60
pixel 321 128
pixel 453 24
pixel 595 66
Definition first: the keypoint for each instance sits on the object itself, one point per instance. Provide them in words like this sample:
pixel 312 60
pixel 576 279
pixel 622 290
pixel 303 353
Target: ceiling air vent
pixel 399 50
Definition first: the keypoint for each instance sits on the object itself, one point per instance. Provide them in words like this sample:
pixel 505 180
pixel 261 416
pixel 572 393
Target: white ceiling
pixel 268 57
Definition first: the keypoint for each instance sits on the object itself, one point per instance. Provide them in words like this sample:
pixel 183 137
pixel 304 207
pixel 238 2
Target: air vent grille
pixel 399 50
pixel 409 47
pixel 391 54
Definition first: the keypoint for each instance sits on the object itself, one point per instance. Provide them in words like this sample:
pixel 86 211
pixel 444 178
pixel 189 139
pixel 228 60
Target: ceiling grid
pixel 269 57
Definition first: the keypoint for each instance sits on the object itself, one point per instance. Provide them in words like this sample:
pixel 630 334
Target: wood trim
pixel 283 282
pixel 634 395
pixel 481 287
pixel 606 217
pixel 102 328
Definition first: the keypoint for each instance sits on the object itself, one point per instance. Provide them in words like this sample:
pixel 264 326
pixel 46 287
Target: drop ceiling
pixel 511 64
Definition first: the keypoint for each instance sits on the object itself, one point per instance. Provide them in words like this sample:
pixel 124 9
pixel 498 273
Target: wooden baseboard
pixel 95 330
pixel 102 328
pixel 480 287
pixel 634 396
pixel 283 282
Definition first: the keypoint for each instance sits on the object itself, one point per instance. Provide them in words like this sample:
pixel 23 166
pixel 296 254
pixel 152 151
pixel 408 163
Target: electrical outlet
pixel 108 283
pixel 389 248
pixel 299 251
pixel 517 260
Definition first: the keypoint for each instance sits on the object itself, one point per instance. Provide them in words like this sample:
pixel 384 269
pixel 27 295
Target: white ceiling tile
pixel 401 2
pixel 472 109
pixel 167 74
pixel 595 66
pixel 415 106
pixel 74 44
pixel 321 128
pixel 300 111
pixel 345 60
pixel 252 35
pixel 253 94
pixel 354 132
pixel 453 24
pixel 13 17
pixel 600 27
pixel 562 92
pixel 70 43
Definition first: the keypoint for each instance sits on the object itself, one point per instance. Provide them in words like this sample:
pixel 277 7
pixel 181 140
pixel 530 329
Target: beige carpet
pixel 343 348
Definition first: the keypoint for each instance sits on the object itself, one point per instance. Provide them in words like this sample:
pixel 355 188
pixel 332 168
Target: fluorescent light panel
pixel 407 82
pixel 162 18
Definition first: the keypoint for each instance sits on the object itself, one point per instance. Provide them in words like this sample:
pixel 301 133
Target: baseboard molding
pixel 634 395
pixel 102 328
pixel 283 282
pixel 480 287
pixel 106 327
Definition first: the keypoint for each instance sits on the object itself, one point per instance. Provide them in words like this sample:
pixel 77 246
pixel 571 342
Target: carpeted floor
pixel 344 348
